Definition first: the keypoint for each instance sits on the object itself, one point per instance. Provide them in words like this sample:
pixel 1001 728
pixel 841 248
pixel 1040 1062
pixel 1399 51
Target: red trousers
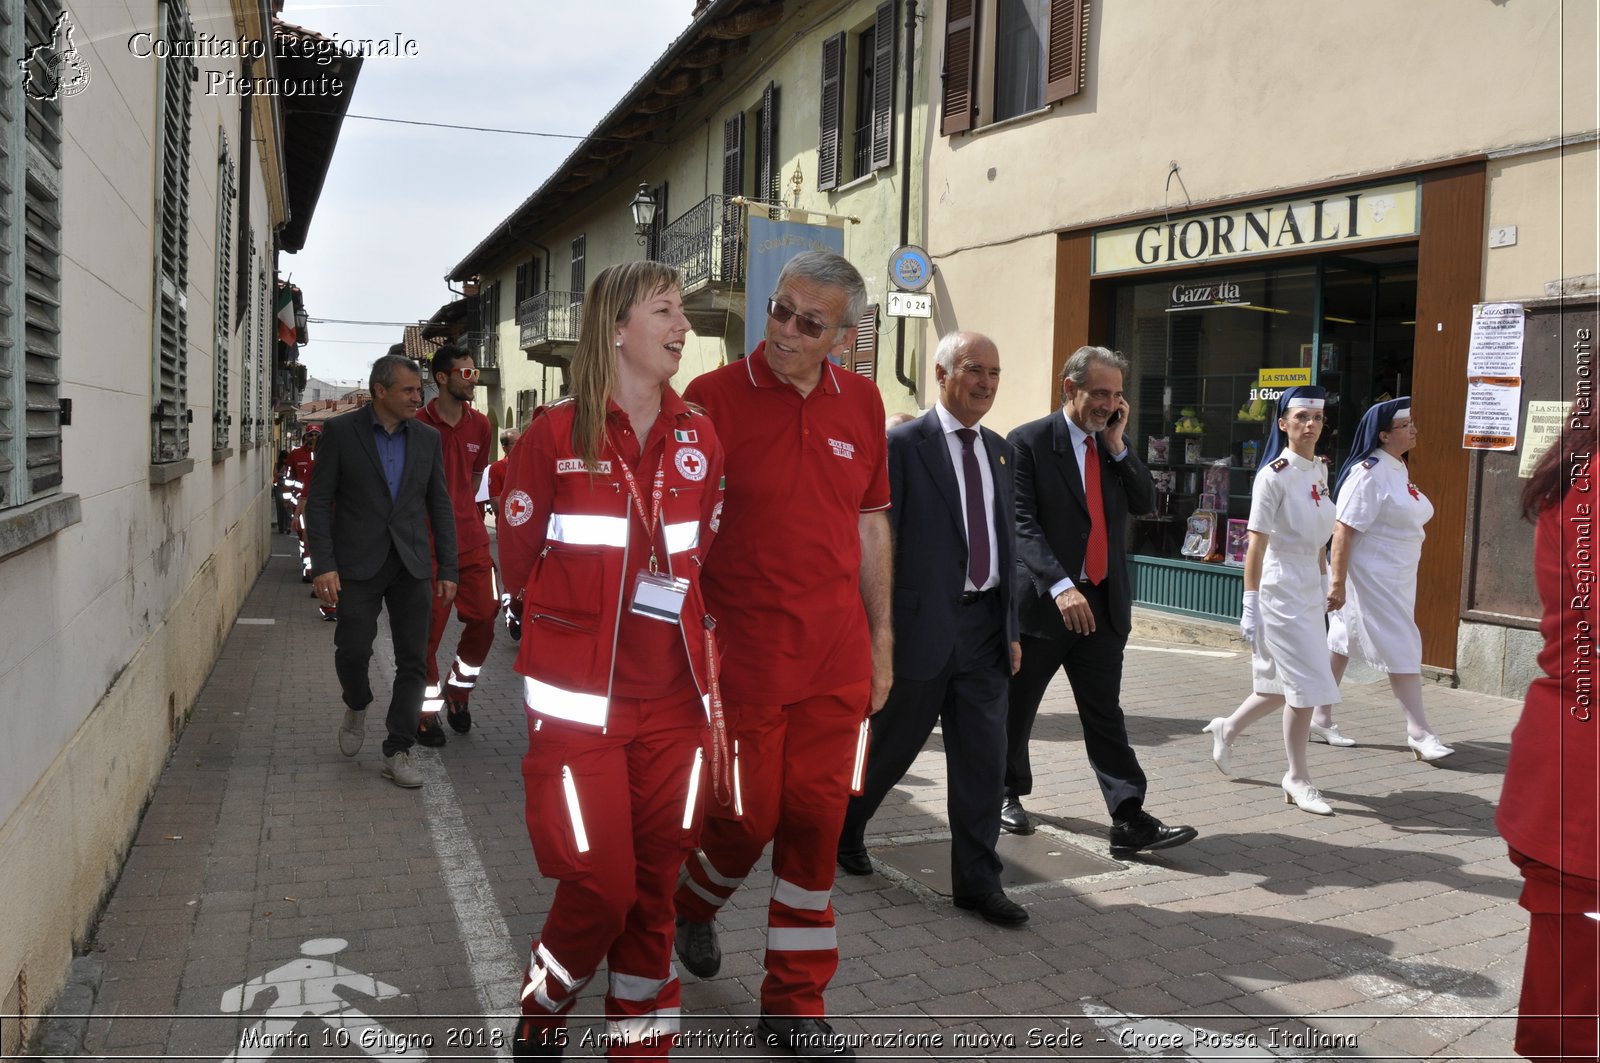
pixel 793 768
pixel 478 605
pixel 1560 1006
pixel 612 816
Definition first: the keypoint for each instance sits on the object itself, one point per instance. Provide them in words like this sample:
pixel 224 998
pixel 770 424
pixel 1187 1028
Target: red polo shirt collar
pixel 762 376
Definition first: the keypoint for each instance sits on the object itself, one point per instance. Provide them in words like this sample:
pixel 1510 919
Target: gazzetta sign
pixel 1332 219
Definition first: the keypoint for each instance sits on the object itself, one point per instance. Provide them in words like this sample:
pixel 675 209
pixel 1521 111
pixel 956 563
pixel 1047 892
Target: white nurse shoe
pixel 1428 747
pixel 1330 734
pixel 1306 796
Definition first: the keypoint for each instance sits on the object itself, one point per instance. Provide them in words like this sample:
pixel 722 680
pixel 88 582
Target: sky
pixel 403 204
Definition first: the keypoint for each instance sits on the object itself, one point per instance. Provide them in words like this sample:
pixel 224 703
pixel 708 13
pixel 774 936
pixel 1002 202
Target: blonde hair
pixel 611 297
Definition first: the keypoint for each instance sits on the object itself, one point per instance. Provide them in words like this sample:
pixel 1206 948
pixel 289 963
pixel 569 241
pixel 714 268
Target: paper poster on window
pixel 1539 432
pixel 1495 347
pixel 1491 422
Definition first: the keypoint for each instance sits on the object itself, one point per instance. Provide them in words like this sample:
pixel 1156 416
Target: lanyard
pixel 651 518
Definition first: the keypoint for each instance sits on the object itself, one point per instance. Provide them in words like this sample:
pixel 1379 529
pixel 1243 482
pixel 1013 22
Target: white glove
pixel 1248 625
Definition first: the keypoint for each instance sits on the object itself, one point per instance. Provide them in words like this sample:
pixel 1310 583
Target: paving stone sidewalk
pixel 283 901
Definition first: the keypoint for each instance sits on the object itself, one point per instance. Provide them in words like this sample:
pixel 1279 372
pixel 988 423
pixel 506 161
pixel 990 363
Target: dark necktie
pixel 977 523
pixel 1094 560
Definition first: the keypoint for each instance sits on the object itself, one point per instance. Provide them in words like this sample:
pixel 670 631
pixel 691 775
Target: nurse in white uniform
pixel 1377 544
pixel 1291 517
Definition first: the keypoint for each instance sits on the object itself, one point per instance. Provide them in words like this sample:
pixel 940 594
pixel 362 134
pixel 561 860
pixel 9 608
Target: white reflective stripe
pixel 713 874
pixel 654 1027
pixel 494 584
pixel 542 958
pixel 738 792
pixel 694 790
pixel 464 669
pixel 574 813
pixel 583 529
pixel 681 537
pixel 547 700
pixel 636 986
pixel 705 894
pixel 468 684
pixel 432 700
pixel 786 892
pixel 858 773
pixel 801 939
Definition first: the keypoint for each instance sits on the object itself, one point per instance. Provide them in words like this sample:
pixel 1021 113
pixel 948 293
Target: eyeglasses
pixel 467 372
pixel 808 326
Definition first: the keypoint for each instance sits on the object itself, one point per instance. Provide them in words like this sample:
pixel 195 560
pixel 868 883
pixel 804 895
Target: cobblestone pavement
pixel 280 892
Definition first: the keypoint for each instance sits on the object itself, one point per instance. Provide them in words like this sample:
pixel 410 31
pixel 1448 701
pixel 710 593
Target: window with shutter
pixel 578 275
pixel 768 174
pixel 883 55
pixel 244 268
pixel 522 283
pixel 30 270
pixel 960 67
pixel 864 355
pixel 1019 60
pixel 266 348
pixel 220 416
pixel 1068 47
pixel 170 414
pixel 732 185
pixel 830 135
pixel 247 360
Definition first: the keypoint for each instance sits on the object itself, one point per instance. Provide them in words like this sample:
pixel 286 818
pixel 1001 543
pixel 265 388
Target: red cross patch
pixel 692 464
pixel 519 508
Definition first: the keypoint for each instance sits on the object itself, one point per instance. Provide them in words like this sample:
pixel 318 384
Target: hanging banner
pixel 772 244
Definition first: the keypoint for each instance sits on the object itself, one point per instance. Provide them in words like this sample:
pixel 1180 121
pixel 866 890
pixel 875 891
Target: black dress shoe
pixel 1014 819
pixel 429 733
pixel 995 908
pixel 855 862
pixel 1142 831
pixel 807 1037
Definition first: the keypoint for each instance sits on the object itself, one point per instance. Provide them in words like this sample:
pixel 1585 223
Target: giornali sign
pixel 1332 219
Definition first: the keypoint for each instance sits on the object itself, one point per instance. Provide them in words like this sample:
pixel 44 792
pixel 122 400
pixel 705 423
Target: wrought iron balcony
pixel 485 348
pixel 704 244
pixel 550 320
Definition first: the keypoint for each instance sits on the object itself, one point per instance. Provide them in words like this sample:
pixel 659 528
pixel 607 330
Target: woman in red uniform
pixel 1552 789
pixel 610 503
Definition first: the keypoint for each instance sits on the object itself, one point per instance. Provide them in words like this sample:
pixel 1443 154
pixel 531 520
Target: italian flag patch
pixel 686 435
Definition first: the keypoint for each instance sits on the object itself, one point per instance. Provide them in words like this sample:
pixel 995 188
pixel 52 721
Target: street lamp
pixel 643 207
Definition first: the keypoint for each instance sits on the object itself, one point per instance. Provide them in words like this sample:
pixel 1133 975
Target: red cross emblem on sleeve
pixel 519 508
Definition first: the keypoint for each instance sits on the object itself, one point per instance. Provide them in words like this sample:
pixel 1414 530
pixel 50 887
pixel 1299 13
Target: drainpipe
pixel 905 185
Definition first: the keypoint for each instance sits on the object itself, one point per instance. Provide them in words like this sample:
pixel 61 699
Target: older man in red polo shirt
pixel 799 584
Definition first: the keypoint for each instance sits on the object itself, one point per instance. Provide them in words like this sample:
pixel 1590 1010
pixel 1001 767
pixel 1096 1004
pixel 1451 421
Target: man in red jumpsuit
pixel 799 584
pixel 296 481
pixel 466 437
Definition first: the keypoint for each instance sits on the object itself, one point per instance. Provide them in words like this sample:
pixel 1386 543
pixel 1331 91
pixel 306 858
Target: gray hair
pixel 384 369
pixel 1083 359
pixel 828 270
pixel 951 344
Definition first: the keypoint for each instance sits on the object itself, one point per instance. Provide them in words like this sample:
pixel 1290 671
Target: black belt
pixel 968 597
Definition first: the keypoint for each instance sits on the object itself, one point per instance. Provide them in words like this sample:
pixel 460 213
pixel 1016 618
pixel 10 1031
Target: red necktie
pixel 1094 561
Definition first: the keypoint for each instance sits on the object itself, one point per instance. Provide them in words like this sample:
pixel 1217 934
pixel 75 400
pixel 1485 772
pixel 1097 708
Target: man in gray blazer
pixel 955 642
pixel 377 493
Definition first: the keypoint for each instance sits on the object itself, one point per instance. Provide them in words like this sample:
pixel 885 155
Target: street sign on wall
pixel 909 304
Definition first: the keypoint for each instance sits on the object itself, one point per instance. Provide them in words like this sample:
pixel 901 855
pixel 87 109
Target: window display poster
pixel 1541 430
pixel 1491 422
pixel 1238 542
pixel 1495 347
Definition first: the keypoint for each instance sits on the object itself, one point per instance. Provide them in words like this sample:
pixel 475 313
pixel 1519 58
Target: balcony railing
pixel 704 244
pixel 485 348
pixel 550 318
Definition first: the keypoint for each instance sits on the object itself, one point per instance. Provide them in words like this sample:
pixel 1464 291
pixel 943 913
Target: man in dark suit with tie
pixel 378 492
pixel 1077 482
pixel 955 629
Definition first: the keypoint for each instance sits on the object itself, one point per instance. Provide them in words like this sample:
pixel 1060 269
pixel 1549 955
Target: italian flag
pixel 286 332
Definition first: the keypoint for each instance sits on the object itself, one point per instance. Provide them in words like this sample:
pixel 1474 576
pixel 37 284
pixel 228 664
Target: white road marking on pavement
pixel 1182 652
pixel 495 964
pixel 264 621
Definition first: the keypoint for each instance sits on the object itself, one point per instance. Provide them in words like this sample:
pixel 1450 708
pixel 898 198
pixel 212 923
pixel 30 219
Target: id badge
pixel 659 596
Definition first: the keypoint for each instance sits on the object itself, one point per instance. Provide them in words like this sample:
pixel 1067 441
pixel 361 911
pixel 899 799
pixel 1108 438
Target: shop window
pixel 1198 344
pixel 1010 57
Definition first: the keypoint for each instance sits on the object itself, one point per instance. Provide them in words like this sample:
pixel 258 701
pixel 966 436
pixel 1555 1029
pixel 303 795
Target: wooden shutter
pixel 170 416
pixel 522 283
pixel 960 67
pixel 244 268
pixel 247 360
pixel 220 417
pixel 883 85
pixel 864 355
pixel 732 185
pixel 579 279
pixel 768 176
pixel 832 112
pixel 1066 49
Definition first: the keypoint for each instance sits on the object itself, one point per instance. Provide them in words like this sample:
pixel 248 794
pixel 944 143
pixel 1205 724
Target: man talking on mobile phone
pixel 1077 481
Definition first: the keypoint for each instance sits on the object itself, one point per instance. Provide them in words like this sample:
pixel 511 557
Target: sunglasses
pixel 467 372
pixel 808 326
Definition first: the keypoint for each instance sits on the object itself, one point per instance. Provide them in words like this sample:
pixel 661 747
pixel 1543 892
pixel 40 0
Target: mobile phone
pixel 1115 418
